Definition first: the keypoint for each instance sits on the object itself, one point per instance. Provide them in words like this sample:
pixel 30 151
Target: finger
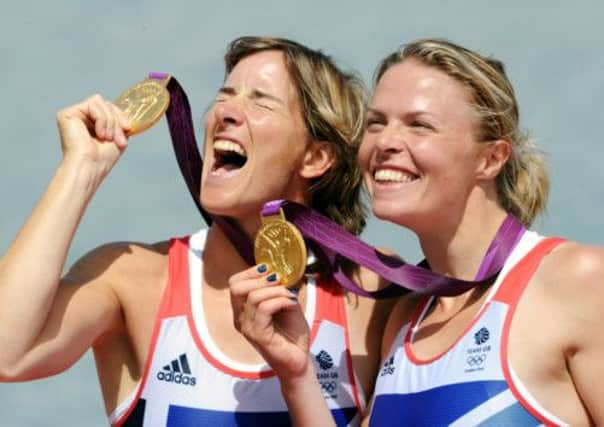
pixel 241 289
pixel 244 308
pixel 123 118
pixel 266 311
pixel 121 125
pixel 252 278
pixel 98 114
pixel 250 273
pixel 111 119
pixel 260 295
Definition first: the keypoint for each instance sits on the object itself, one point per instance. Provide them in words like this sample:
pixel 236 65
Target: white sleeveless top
pixel 471 383
pixel 188 381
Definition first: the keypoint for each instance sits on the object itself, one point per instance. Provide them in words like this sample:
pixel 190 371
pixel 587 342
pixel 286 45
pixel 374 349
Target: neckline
pixel 526 243
pixel 199 324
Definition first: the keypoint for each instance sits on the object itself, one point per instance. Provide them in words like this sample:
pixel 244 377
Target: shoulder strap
pixel 516 280
pixel 176 297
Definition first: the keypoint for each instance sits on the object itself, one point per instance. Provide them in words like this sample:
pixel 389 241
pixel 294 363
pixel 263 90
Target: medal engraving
pixel 144 103
pixel 281 246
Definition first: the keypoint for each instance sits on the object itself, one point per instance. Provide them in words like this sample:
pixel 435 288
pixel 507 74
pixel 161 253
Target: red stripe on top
pixel 510 292
pixel 178 294
pixel 408 343
pixel 516 280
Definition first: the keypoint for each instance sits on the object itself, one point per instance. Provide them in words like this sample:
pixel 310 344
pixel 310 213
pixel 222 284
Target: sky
pixel 57 53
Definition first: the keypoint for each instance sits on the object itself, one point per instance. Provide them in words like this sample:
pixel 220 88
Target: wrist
pixel 305 379
pixel 80 174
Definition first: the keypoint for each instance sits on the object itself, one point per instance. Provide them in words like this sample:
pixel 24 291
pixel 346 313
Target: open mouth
pixel 228 155
pixel 388 176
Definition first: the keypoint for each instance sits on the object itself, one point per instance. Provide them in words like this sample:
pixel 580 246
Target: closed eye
pixel 264 106
pixel 420 124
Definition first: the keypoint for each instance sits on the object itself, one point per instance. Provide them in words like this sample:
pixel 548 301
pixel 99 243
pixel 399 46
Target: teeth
pixel 224 145
pixel 392 175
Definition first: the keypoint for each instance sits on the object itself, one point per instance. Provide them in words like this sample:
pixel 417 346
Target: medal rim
pixel 294 278
pixel 164 96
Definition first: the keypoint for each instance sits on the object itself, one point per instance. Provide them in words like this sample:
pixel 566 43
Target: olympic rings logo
pixel 476 360
pixel 329 386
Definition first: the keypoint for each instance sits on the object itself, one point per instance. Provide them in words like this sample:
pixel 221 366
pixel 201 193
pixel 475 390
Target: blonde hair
pixel 333 106
pixel 523 184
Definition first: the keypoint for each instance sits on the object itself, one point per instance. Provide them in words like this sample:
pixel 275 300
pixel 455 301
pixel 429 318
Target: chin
pixel 392 213
pixel 240 210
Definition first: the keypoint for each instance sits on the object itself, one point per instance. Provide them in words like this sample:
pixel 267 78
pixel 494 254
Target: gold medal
pixel 279 245
pixel 144 103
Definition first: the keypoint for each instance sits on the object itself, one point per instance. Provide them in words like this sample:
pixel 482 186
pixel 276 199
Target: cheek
pixel 364 154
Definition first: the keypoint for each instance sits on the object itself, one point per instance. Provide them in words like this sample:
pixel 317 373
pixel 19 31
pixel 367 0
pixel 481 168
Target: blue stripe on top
pixel 435 407
pixel 180 416
pixel 515 415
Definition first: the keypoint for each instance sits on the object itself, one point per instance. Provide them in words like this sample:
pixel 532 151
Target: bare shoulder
pixel 574 268
pixel 119 261
pixel 571 277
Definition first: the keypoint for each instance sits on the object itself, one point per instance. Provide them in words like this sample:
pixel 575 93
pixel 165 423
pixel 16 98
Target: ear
pixel 492 158
pixel 318 158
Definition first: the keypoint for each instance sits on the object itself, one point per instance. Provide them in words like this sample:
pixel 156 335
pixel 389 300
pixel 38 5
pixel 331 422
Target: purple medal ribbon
pixel 182 133
pixel 329 240
pixel 334 241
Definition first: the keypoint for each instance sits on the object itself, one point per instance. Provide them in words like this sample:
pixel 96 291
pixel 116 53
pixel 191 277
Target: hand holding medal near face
pixel 280 243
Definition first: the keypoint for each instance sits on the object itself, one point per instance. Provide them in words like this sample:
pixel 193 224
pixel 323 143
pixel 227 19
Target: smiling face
pixel 255 140
pixel 419 152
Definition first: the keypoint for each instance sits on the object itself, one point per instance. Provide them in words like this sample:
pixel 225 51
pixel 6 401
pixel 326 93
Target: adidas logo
pixel 388 368
pixel 178 372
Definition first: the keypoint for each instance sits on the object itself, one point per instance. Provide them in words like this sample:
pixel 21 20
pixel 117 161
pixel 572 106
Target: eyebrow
pixel 374 112
pixel 256 94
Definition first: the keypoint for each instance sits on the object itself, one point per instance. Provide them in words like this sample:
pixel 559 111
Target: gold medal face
pixel 144 103
pixel 279 245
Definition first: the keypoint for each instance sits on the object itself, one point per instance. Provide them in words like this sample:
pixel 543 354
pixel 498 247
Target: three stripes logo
pixel 177 371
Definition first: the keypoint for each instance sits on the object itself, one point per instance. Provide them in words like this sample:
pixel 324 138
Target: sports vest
pixel 472 383
pixel 188 381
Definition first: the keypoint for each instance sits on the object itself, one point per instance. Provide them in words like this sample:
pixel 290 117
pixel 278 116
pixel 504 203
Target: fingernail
pixel 294 299
pixel 261 268
pixel 294 292
pixel 272 277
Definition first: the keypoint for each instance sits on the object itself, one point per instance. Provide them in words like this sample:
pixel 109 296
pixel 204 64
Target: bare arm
pixel 582 268
pixel 35 316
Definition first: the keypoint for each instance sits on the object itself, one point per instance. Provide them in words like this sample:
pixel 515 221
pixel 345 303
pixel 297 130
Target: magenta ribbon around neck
pixel 327 239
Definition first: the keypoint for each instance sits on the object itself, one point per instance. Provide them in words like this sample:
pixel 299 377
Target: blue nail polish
pixel 272 277
pixel 294 291
pixel 261 268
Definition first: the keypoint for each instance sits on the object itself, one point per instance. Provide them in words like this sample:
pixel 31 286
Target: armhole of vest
pixel 177 264
pixel 330 294
pixel 511 292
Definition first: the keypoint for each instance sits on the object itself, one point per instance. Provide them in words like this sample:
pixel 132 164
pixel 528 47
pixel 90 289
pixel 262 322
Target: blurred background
pixel 56 53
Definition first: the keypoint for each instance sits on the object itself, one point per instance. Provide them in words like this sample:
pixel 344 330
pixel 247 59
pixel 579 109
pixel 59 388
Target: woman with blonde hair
pixel 443 156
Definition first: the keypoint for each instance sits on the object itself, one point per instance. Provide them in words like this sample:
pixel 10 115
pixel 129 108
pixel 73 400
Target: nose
pixel 228 112
pixel 390 140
